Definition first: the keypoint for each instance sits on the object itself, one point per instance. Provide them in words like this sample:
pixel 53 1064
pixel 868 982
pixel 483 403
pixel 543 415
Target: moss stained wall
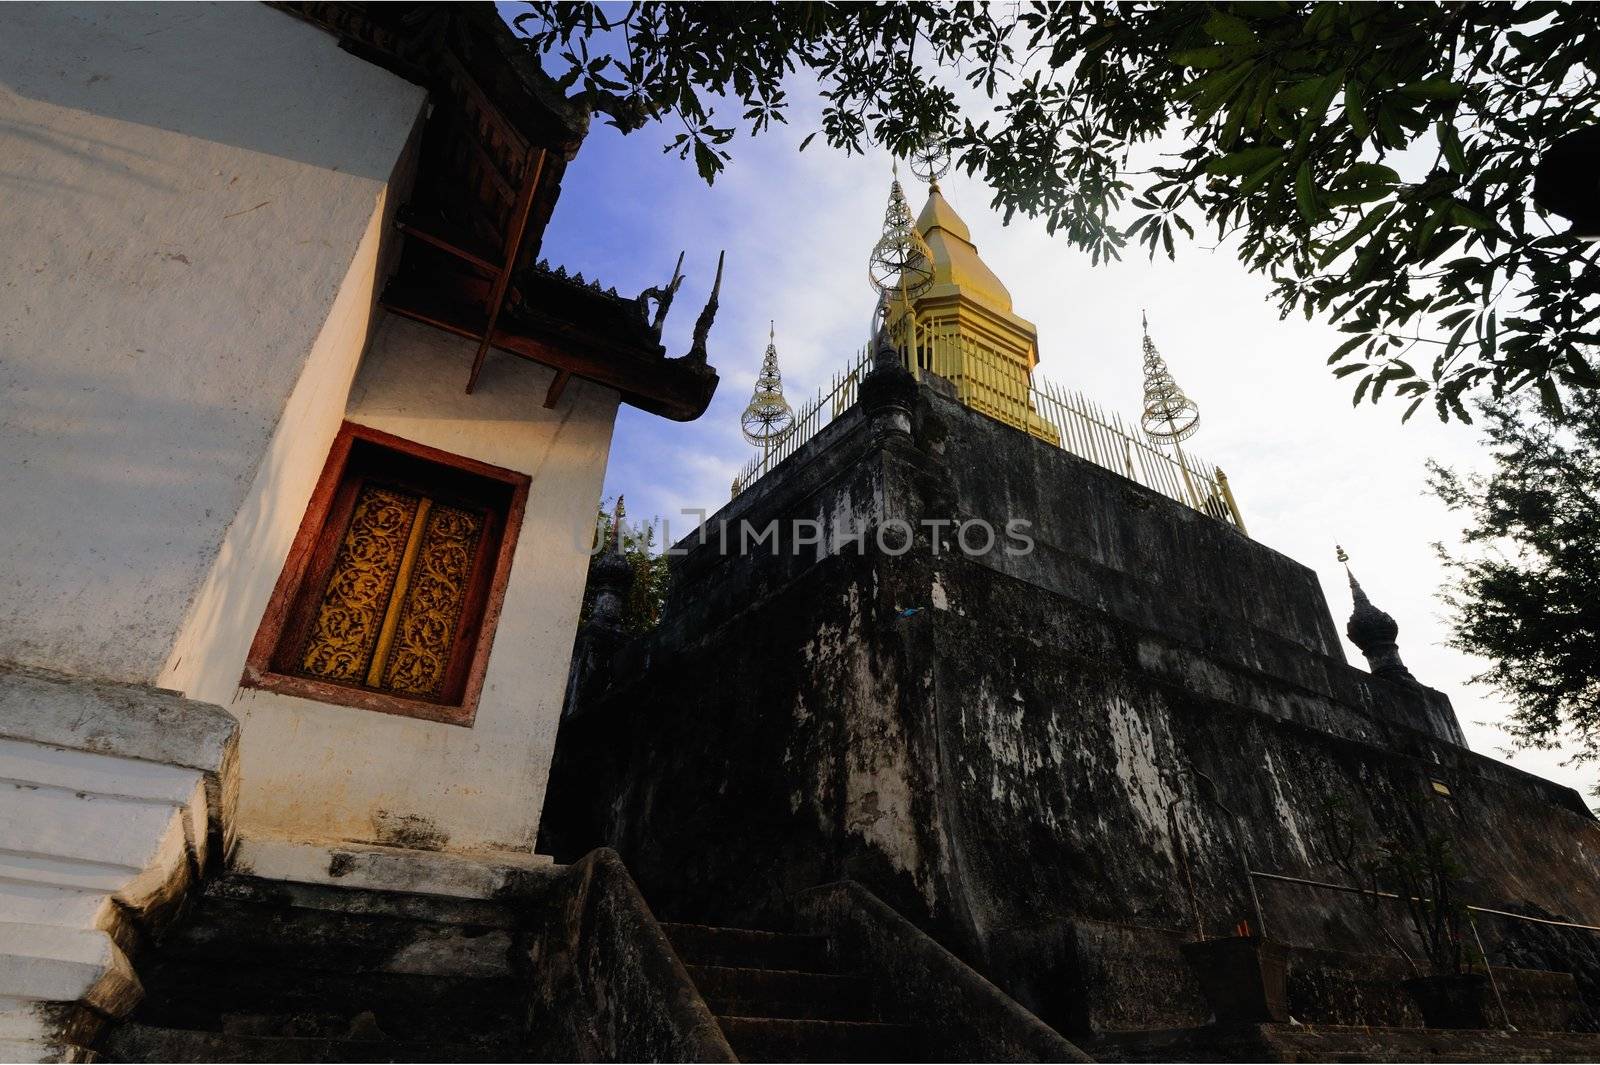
pixel 1031 773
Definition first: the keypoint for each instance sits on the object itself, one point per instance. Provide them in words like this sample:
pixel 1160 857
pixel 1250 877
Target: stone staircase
pixel 275 971
pixel 782 997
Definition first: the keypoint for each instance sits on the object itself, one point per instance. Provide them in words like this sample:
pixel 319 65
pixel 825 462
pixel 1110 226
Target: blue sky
pixel 1309 471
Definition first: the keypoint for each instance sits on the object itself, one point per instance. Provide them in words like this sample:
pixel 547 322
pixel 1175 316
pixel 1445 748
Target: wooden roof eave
pixel 677 389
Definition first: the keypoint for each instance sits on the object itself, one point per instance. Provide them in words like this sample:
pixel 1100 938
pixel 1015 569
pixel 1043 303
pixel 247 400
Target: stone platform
pixel 1337 1043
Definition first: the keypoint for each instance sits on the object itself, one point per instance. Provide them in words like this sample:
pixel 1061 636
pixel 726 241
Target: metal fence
pixel 1061 416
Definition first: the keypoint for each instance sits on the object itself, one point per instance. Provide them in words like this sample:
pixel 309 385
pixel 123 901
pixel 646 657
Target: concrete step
pixel 224 930
pixel 774 1039
pixel 288 1001
pixel 745 992
pixel 440 909
pixel 139 1043
pixel 749 948
pixel 1339 1043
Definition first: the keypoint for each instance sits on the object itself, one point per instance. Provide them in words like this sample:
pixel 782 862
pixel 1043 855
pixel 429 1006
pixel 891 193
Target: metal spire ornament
pixel 1170 417
pixel 768 416
pixel 930 160
pixel 900 268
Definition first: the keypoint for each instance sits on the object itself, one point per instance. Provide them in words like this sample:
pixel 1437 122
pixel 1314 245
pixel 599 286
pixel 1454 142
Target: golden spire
pixel 966 329
pixel 768 416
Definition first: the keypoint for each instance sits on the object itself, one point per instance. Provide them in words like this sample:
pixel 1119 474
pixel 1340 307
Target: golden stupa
pixel 965 328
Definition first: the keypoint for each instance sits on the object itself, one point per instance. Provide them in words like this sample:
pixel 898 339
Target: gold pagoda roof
pixel 956 262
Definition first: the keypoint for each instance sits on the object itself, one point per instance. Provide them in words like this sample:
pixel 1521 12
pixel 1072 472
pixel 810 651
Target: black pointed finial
pixel 1373 630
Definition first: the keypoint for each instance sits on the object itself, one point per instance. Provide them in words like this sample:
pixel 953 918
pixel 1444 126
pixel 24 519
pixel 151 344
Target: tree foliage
pixel 1527 594
pixel 1408 858
pixel 651 575
pixel 1373 161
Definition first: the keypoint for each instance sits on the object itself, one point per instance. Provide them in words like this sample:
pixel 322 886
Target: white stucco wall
pixel 184 190
pixel 310 770
pixel 193 200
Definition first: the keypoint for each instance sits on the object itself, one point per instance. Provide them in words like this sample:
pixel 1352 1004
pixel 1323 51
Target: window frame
pixel 315 544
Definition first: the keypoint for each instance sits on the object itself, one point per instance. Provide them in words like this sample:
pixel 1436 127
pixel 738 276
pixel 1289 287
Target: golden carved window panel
pixel 350 620
pixel 430 607
pixel 390 595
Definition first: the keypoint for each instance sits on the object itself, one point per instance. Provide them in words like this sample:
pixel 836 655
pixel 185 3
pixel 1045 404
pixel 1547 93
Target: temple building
pixel 1118 769
pixel 304 445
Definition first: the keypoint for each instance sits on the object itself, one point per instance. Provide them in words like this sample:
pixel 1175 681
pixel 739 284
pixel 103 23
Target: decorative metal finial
pixel 900 269
pixel 1375 632
pixel 1170 417
pixel 901 265
pixel 768 417
pixel 930 160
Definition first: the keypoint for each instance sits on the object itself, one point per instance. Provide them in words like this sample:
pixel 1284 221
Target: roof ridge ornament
pixel 708 314
pixel 663 295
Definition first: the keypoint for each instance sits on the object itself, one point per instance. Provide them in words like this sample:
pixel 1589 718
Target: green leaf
pixel 1203 58
pixel 1370 174
pixel 1244 162
pixel 1550 397
pixel 1306 94
pixel 1450 144
pixel 1230 29
pixel 1346 348
pixel 1354 113
pixel 1259 178
pixel 706 162
pixel 1305 193
pixel 1368 223
pixel 1433 89
pixel 1463 215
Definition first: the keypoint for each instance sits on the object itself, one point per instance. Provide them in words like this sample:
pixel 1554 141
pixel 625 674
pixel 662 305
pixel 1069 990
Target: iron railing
pixel 1060 416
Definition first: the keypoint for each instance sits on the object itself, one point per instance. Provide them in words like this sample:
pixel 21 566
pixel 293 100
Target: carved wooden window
pixel 389 597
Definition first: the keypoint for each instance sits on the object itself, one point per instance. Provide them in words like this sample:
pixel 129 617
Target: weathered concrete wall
pixel 186 192
pixel 114 799
pixel 1015 764
pixel 318 771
